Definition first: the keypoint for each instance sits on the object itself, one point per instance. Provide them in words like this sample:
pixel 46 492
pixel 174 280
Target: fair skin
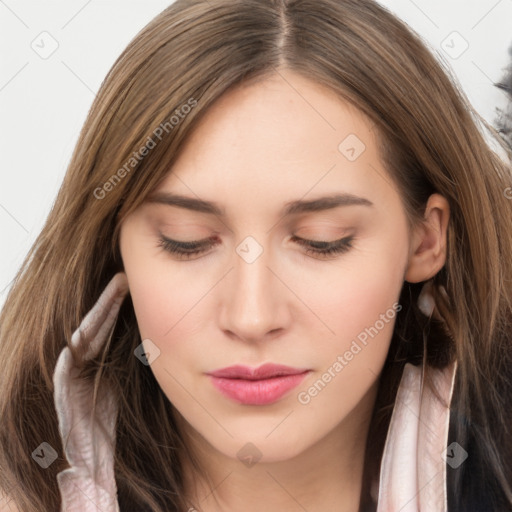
pixel 259 147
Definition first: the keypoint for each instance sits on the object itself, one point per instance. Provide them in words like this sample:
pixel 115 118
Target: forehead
pixel 273 115
pixel 281 137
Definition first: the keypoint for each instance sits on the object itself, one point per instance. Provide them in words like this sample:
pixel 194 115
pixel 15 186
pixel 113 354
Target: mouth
pixel 257 386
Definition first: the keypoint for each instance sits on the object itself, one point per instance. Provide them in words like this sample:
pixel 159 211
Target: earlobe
pixel 429 241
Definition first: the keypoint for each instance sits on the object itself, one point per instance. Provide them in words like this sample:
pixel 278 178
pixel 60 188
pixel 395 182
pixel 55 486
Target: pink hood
pixel 413 467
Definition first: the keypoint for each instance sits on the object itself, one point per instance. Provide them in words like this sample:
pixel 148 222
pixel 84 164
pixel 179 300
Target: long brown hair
pixel 430 141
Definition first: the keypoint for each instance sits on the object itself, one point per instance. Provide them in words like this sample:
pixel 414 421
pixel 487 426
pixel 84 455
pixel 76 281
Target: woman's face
pixel 256 173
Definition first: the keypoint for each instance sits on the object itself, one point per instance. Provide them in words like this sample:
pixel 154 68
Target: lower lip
pixel 257 392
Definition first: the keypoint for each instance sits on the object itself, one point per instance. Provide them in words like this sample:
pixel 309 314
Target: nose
pixel 254 306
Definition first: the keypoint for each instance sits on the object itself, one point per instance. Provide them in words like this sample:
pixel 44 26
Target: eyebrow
pixel 290 208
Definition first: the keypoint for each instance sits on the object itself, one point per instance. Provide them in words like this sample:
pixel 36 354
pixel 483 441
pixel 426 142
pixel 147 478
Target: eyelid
pixel 208 240
pixel 319 249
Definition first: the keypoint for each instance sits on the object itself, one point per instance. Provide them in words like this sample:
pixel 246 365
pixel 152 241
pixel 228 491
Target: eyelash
pixel 315 247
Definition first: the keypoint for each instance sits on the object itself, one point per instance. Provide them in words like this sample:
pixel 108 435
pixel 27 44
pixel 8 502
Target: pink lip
pixel 257 386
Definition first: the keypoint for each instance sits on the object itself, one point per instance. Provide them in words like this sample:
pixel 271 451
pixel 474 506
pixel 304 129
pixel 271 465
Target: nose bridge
pixel 252 302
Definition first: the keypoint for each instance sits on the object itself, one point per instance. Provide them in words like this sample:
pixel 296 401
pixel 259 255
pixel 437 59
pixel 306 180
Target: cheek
pixel 352 295
pixel 358 301
pixel 362 317
pixel 162 292
pixel 166 304
pixel 169 313
pixel 166 307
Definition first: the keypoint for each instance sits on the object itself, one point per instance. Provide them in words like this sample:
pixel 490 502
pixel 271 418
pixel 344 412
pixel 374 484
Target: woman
pixel 267 184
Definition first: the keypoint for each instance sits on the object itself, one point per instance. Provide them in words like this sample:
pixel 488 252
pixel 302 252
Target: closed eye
pixel 326 248
pixel 184 250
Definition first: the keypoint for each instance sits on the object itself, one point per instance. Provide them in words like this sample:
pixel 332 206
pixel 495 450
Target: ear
pixel 427 253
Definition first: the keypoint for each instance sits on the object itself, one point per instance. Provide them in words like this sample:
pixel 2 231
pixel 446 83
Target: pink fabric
pixel 413 470
pixel 89 484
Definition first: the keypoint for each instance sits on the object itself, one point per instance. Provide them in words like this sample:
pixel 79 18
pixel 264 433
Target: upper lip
pixel 264 371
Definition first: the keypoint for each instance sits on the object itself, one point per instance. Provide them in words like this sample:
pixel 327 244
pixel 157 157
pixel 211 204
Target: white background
pixel 44 102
